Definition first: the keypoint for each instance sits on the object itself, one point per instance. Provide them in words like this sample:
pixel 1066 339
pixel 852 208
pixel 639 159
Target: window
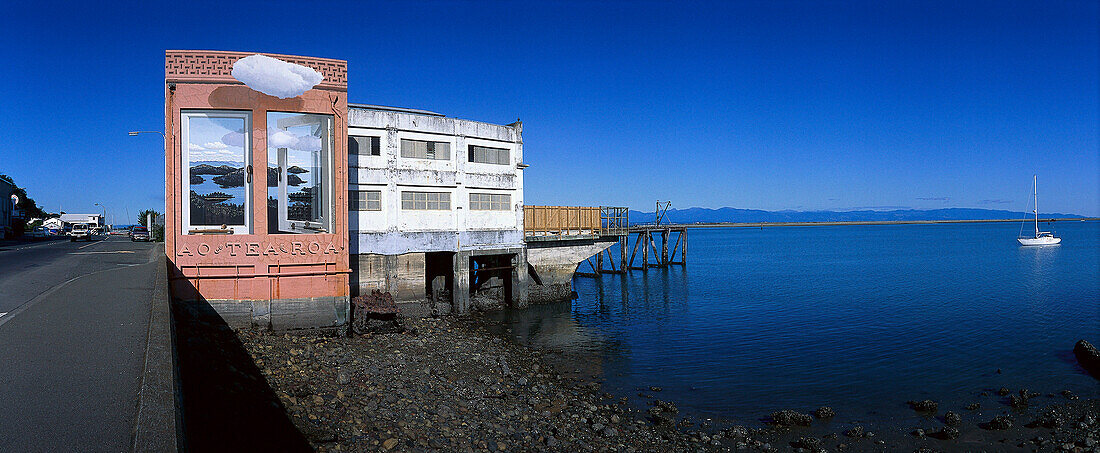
pixel 487 155
pixel 367 146
pixel 300 173
pixel 426 201
pixel 420 149
pixel 217 153
pixel 365 200
pixel 490 202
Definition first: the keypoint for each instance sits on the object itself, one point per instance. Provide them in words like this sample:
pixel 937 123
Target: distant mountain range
pixel 734 215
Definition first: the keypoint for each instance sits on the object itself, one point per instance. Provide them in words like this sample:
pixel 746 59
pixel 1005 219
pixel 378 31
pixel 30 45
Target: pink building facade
pixel 256 226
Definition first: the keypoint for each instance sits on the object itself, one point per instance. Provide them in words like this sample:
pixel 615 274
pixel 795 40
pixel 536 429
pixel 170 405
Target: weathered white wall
pixel 397 231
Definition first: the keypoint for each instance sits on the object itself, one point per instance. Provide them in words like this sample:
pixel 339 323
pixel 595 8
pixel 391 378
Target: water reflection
pixel 783 318
pixel 548 326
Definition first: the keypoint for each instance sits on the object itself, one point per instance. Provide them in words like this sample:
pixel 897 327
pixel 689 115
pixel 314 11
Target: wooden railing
pixel 573 220
pixel 561 220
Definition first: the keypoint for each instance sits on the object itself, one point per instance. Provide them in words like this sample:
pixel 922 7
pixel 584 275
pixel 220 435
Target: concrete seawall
pixel 158 427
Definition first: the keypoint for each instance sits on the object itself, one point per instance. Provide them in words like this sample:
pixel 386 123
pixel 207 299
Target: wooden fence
pixel 561 220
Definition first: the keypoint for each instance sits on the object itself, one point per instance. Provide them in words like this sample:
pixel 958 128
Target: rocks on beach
pixel 824 412
pixel 999 422
pixel 454 387
pixel 790 418
pixel 855 431
pixel 1088 356
pixel 924 406
pixel 952 419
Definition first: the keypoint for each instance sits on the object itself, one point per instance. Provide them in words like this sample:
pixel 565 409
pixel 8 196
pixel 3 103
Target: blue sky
pixel 766 105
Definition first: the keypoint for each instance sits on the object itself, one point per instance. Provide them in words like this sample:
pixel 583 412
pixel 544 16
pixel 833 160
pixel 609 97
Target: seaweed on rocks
pixel 1088 356
pixel 790 418
pixel 855 431
pixel 952 419
pixel 824 412
pixel 999 422
pixel 924 406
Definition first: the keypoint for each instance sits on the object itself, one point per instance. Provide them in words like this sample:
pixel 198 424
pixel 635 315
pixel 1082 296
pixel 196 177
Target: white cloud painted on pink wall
pixel 275 77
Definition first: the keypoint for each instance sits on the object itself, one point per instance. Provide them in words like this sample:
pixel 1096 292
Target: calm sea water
pixel 861 318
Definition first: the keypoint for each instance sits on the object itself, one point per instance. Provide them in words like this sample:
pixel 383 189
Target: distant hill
pixel 734 215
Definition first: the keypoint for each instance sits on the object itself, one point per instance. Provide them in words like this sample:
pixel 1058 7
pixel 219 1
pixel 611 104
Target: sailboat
pixel 1041 237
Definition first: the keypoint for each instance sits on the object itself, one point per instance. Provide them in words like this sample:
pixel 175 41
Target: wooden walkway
pixel 606 224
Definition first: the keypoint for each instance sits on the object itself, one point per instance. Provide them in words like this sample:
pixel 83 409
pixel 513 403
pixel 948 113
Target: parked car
pixel 140 233
pixel 38 233
pixel 80 232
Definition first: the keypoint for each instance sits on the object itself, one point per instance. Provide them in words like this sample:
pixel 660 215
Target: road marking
pixel 32 246
pixel 152 258
pixel 102 253
pixel 89 245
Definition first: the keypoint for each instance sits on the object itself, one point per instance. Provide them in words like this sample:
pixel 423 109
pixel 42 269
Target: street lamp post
pixel 104 213
pixel 136 133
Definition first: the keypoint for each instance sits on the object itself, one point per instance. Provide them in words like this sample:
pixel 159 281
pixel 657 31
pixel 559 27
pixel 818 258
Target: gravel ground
pixel 449 385
pixel 443 385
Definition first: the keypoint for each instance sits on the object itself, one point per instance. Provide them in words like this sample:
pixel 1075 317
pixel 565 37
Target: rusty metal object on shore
pixel 376 303
pixel 375 313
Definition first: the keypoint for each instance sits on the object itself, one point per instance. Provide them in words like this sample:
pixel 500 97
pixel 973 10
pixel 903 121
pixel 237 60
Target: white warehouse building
pixel 435 209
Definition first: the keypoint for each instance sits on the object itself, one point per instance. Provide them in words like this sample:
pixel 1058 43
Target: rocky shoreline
pixel 449 385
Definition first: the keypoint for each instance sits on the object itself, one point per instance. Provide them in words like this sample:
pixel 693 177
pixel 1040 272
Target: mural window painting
pixel 300 174
pixel 217 153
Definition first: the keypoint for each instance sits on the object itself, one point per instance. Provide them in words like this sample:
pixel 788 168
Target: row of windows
pixel 364 200
pixel 423 149
pixel 367 146
pixel 426 201
pixel 371 200
pixel 490 202
pixel 487 155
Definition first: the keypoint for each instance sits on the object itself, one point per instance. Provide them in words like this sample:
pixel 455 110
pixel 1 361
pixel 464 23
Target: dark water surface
pixel 861 318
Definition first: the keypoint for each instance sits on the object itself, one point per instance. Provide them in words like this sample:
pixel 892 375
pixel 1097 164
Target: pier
pixel 594 231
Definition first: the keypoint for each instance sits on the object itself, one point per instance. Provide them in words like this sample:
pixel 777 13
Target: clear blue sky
pixel 768 105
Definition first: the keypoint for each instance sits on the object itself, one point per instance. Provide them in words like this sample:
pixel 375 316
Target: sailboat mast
pixel 1035 192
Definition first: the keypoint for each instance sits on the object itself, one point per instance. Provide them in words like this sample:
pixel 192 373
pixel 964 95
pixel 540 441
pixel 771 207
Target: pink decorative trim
pixel 213 66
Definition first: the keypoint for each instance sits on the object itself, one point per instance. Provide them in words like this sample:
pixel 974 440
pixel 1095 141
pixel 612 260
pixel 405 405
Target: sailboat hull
pixel 1039 241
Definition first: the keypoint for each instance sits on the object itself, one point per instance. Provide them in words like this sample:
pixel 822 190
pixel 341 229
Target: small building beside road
pixel 7 208
pixel 92 220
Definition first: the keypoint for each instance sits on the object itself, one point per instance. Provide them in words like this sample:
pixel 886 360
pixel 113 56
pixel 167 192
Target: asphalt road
pixel 73 326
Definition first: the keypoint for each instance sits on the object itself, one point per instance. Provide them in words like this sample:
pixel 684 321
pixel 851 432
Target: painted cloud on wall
pixel 275 77
pixel 234 139
pixel 283 139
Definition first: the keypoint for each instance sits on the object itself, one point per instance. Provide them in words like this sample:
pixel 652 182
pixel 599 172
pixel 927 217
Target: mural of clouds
pixel 934 198
pixel 275 77
pixel 214 145
pixel 194 147
pixel 234 139
pixel 994 201
pixel 221 155
pixel 308 143
pixel 283 139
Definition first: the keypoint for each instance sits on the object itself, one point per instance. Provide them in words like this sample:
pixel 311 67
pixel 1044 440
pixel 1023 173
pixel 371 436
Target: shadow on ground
pixel 227 403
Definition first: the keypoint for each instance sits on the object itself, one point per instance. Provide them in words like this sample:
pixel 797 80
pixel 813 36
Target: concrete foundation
pixel 438 283
pixel 281 314
pixel 553 264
